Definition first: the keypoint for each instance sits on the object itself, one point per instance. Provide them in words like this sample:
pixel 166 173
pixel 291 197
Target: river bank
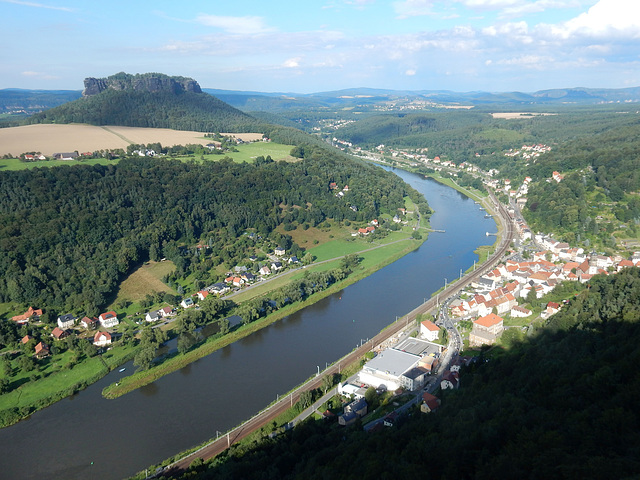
pixel 230 385
pixel 212 344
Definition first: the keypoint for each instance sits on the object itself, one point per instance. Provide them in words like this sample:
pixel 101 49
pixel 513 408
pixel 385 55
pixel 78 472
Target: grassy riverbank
pixel 58 384
pixel 372 261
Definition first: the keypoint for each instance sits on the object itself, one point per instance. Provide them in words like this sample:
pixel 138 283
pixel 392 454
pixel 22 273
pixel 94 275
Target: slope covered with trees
pixel 68 235
pixel 561 404
pixel 179 111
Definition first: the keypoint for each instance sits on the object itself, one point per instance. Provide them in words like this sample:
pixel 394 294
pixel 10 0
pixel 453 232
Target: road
pixel 268 415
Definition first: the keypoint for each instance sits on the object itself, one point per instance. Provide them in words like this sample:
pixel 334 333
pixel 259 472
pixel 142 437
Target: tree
pixel 306 399
pixel 186 340
pixel 144 357
pixel 327 383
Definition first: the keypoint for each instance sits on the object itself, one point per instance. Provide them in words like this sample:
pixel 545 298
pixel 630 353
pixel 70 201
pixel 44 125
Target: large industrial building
pixel 406 365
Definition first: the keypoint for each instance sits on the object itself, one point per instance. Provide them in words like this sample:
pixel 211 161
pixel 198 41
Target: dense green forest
pixel 558 404
pixel 68 235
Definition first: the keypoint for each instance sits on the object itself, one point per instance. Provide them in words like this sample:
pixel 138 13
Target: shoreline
pixel 212 344
pixel 183 459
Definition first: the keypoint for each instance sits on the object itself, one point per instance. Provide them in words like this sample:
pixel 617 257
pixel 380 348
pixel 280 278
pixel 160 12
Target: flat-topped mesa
pixel 150 82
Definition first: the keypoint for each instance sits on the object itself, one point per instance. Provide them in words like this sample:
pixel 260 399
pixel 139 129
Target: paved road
pixel 268 415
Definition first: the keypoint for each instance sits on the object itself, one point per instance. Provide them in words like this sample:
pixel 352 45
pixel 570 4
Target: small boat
pixel 487 216
pixel 122 370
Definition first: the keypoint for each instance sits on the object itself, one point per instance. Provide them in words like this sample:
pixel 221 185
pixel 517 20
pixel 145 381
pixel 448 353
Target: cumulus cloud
pixel 241 25
pixel 410 73
pixel 605 18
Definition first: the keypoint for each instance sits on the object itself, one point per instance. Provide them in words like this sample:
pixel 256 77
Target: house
pixel 59 333
pixel 152 316
pixel 449 380
pixel 353 411
pixel 218 288
pixel 202 294
pixel 108 319
pixel 187 302
pixel 429 330
pixel 42 350
pixel 66 321
pixel 430 403
pixel 102 339
pixel 293 259
pixel 276 266
pixel 26 339
pixel 165 312
pixel 30 313
pixel 486 330
pixel 65 156
pixel 279 251
pixel 89 323
pixel 265 271
pixel 391 419
pixel 520 312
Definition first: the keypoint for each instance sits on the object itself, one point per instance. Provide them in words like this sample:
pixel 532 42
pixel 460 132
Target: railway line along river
pixel 87 436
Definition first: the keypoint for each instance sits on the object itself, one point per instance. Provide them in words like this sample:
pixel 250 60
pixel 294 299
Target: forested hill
pixel 559 405
pixel 149 100
pixel 68 235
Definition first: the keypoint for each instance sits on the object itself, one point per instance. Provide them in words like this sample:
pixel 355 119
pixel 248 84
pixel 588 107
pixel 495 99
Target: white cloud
pixel 239 25
pixel 410 73
pixel 605 18
pixel 38 5
pixel 292 62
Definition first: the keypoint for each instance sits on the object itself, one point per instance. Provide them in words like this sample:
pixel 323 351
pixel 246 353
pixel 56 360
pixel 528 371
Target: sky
pixel 307 46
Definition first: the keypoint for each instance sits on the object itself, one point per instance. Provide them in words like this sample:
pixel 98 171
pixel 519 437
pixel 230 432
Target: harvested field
pixel 144 280
pixel 512 115
pixel 49 139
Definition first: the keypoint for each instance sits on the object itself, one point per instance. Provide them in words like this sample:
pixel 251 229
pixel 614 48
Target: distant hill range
pixel 149 100
pixel 140 89
pixel 281 102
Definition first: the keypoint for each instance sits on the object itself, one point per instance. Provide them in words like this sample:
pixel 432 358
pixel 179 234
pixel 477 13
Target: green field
pixel 61 381
pixel 247 152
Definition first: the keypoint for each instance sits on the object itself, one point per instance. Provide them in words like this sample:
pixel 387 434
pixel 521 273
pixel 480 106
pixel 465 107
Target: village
pixel 413 366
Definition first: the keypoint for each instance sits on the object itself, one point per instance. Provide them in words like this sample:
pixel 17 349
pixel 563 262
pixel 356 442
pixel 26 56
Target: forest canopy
pixel 68 235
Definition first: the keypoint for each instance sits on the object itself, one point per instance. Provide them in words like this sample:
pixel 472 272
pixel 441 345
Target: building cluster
pixel 65 324
pixel 528 152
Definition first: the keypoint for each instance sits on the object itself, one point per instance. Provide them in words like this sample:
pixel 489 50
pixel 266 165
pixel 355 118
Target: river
pixel 86 436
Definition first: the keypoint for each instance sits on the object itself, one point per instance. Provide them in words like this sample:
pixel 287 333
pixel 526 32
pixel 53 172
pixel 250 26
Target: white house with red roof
pixel 429 330
pixel 202 294
pixel 108 319
pixel 102 339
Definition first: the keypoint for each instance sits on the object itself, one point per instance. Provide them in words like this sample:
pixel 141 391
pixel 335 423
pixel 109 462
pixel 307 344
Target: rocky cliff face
pixel 150 82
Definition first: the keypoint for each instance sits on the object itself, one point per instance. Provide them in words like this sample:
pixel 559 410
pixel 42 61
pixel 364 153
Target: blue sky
pixel 313 46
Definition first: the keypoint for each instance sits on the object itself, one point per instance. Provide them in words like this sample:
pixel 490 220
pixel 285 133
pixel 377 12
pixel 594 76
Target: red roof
pixel 58 332
pixel 99 335
pixel 429 325
pixel 27 315
pixel 489 320
pixel 109 314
